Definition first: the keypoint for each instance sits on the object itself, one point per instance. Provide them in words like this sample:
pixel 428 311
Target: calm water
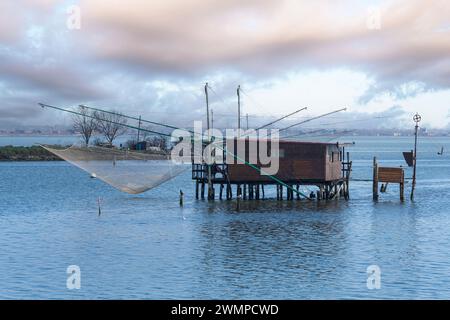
pixel 146 246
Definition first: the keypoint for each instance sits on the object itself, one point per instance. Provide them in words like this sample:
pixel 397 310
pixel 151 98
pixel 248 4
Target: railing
pixel 200 171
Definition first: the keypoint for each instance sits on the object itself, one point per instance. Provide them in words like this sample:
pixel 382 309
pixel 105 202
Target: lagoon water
pixel 147 247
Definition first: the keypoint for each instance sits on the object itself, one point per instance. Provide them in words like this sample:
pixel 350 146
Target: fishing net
pixel 127 171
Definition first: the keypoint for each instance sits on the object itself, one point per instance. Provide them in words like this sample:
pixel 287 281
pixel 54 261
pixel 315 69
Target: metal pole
pixel 314 118
pixel 210 188
pixel 212 119
pixel 239 107
pixel 246 117
pixel 416 119
pixel 207 106
pixel 139 129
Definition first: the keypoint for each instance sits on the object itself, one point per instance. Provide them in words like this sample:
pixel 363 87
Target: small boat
pixel 441 152
pixel 93 176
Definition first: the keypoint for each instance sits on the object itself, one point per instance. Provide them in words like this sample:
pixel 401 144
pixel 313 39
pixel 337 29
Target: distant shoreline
pixel 33 153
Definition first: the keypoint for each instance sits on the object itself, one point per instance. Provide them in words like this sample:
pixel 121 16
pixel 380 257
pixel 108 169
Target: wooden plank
pixel 394 175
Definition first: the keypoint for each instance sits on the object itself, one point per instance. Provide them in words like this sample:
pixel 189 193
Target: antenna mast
pixel 239 107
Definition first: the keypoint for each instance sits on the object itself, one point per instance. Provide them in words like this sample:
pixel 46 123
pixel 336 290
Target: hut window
pixel 281 152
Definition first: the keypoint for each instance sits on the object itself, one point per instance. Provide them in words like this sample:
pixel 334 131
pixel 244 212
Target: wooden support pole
pixel 402 187
pixel 196 189
pixel 402 191
pixel 262 189
pixel 202 191
pixel 221 191
pixel 375 179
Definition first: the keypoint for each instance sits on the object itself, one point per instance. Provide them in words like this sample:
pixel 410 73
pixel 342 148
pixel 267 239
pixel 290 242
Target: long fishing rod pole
pixel 261 171
pixel 331 136
pixel 355 120
pixel 43 105
pixel 314 118
pixel 131 117
pixel 282 118
pixel 303 133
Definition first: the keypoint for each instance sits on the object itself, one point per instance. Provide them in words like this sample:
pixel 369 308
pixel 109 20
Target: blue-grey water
pixel 148 247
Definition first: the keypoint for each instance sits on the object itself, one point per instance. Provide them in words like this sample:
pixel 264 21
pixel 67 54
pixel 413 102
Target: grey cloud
pixel 124 47
pixel 193 37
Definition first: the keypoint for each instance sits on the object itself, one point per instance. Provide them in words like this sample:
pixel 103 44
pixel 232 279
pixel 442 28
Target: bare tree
pixel 110 125
pixel 157 141
pixel 85 124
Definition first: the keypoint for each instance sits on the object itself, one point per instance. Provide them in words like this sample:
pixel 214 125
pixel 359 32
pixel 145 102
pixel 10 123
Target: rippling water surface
pixel 146 246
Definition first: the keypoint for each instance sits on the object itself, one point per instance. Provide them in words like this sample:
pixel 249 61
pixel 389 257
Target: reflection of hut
pixel 300 163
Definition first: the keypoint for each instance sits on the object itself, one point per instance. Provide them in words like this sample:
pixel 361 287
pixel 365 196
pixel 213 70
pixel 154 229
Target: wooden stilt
pixel 202 191
pixel 375 179
pixel 402 191
pixel 196 189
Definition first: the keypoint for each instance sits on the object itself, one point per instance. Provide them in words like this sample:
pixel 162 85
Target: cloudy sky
pixel 384 60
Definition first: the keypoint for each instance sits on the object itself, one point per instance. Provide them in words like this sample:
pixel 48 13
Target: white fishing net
pixel 130 172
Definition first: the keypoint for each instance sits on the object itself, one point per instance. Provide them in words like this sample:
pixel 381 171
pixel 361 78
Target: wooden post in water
pixel 402 189
pixel 375 179
pixel 202 191
pixel 347 179
pixel 416 119
pixel 181 198
pixel 196 189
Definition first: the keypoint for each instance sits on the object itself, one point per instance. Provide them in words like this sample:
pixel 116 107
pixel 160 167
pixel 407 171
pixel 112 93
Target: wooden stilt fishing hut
pixel 324 165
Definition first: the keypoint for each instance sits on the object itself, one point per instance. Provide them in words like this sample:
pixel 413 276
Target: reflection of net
pixel 130 172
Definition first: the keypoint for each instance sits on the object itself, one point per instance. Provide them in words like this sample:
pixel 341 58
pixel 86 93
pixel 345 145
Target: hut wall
pixel 298 161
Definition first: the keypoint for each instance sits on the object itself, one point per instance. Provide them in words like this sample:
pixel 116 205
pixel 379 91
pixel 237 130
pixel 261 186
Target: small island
pixel 33 153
